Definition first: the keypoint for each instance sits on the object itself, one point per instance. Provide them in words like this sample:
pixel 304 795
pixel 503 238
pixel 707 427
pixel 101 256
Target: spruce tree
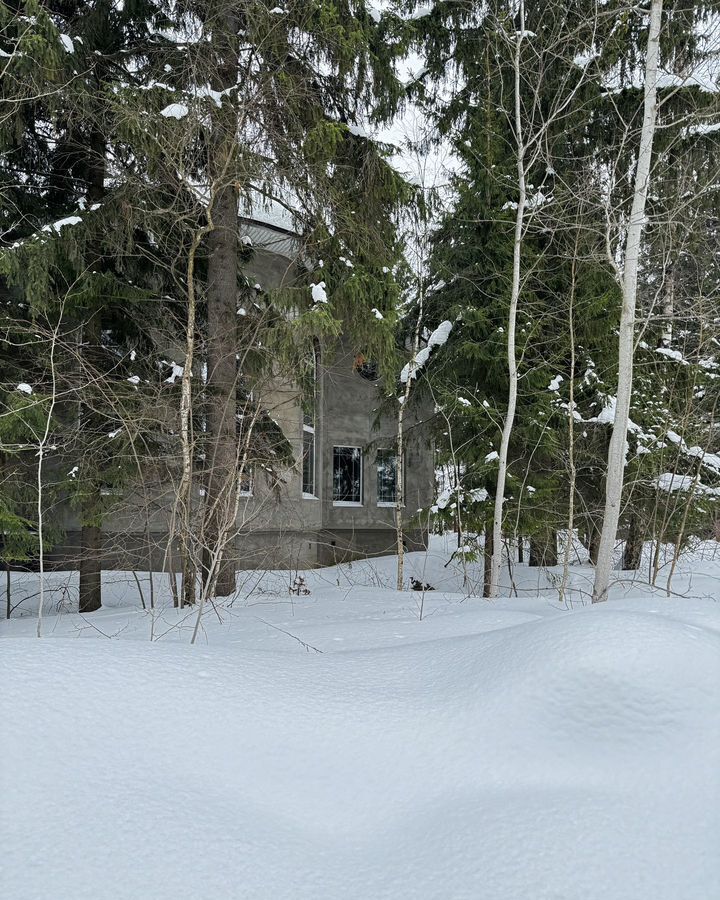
pixel 269 104
pixel 63 232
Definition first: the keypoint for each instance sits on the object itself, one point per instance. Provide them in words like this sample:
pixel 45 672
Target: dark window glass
pixel 246 482
pixel 386 476
pixel 347 474
pixel 367 368
pixel 309 385
pixel 308 462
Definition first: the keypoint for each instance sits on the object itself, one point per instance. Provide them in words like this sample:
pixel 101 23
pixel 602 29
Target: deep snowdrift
pixel 507 751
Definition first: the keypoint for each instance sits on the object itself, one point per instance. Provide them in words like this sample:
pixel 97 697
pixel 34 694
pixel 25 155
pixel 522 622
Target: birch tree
pixel 629 283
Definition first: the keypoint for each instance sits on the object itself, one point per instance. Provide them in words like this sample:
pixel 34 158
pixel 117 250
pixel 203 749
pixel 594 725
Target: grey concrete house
pixel 337 501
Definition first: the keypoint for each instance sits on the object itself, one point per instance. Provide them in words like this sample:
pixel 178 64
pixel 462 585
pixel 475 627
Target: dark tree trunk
pixel 593 545
pixel 590 537
pixel 91 569
pixel 90 586
pixel 543 549
pixel 632 554
pixel 521 549
pixel 487 558
pixel 222 294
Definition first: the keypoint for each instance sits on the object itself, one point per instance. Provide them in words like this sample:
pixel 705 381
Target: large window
pixel 308 461
pixel 386 462
pixel 347 475
pixel 246 482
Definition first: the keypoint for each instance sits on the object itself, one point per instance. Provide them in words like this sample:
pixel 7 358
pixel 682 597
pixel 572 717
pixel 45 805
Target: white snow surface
pixel 488 751
pixel 319 295
pixel 175 111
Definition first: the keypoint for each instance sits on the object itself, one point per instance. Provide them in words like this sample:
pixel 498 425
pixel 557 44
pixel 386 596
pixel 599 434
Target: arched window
pixel 309 386
pixel 366 368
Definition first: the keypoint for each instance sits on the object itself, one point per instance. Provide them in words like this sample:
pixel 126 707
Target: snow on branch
pixel 437 339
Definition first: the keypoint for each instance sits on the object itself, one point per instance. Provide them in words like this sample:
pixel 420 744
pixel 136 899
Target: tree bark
pixel 632 554
pixel 668 312
pixel 487 559
pixel 593 542
pixel 543 549
pixel 572 469
pixel 90 586
pixel 511 324
pixel 616 452
pixel 222 290
pixel 90 569
pixel 399 498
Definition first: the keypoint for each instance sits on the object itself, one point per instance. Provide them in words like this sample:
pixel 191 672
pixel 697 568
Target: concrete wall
pixel 279 527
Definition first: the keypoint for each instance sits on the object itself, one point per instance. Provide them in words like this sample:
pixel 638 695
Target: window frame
pixel 250 475
pixel 349 503
pixel 309 495
pixel 309 426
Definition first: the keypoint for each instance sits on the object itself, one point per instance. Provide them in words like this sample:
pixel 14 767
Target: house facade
pixel 339 499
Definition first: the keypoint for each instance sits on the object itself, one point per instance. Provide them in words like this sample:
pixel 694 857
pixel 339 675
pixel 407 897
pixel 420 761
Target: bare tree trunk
pixel 403 402
pixel 571 434
pixel 668 309
pixel 186 597
pixel 589 536
pixel 222 292
pixel 618 439
pixel 399 498
pixel 42 442
pixel 511 323
pixel 90 568
pixel 632 554
pixel 543 549
pixel 90 586
pixel 487 561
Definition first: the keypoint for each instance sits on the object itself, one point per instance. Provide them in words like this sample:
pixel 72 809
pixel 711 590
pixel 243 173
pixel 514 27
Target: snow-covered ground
pixel 336 745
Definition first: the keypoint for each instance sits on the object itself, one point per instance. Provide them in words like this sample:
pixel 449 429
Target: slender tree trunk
pixel 543 549
pixel 399 493
pixel 40 474
pixel 487 561
pixel 668 309
pixel 399 499
pixel 90 588
pixel 222 294
pixel 571 434
pixel 551 554
pixel 592 541
pixel 632 554
pixel 186 596
pixel 90 568
pixel 618 439
pixel 535 556
pixel 511 323
pixel 222 383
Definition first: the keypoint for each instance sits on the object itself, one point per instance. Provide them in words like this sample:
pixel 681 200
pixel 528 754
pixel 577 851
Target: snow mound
pixel 566 757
